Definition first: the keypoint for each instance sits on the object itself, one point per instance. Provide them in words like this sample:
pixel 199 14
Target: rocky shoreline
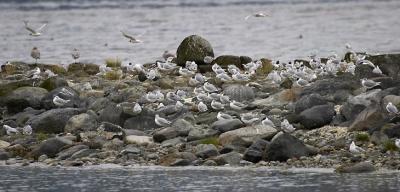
pixel 97 119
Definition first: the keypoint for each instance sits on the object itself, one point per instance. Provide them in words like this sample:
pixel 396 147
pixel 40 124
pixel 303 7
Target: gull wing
pixel 28 28
pixel 127 36
pixel 41 27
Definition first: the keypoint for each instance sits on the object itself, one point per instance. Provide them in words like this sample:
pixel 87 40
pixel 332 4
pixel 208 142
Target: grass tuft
pixel 362 137
pixel 113 62
pixel 210 140
pixel 389 145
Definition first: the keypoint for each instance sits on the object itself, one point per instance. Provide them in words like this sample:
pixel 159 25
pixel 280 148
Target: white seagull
pixel 131 38
pixel 392 109
pixel 202 107
pixel 27 130
pixel 287 127
pixel 397 143
pixel 377 70
pixel 34 32
pixel 10 130
pixel 59 102
pixel 368 83
pixel 223 116
pixel 162 122
pixel 267 122
pixel 216 105
pixel 237 105
pixel 355 149
pixel 137 109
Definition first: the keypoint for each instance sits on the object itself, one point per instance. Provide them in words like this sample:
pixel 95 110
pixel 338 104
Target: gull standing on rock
pixel 267 122
pixel 368 83
pixel 223 116
pixel 208 59
pixel 10 130
pixel 210 88
pixel 287 127
pixel 162 122
pixel 75 54
pixel 377 70
pixel 59 102
pixel 137 109
pixel 354 148
pixel 249 118
pixel 27 130
pixel 166 55
pixel 237 105
pixel 392 109
pixel 35 53
pixel 131 38
pixel 202 107
pixel 34 32
pixel 216 105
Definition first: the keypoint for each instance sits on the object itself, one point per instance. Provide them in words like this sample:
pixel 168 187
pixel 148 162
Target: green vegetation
pixel 362 137
pixel 389 145
pixel 210 140
pixel 113 62
pixel 41 136
pixel 113 75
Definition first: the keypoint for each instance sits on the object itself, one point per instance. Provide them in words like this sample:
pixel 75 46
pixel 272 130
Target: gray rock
pixel 22 117
pixel 198 133
pixel 285 146
pixel 144 121
pixel 52 121
pixel 308 101
pixel 225 60
pixel 239 92
pixel 65 154
pixel 182 126
pixel 392 131
pixel 24 97
pixel 66 93
pixel 205 151
pixel 365 71
pixel 81 122
pixel 206 118
pixel 54 82
pixel 99 104
pixel 256 151
pixel 232 158
pixel 173 142
pixel 227 125
pixel 4 155
pixel 329 86
pixel 178 159
pixel 388 63
pixel 362 167
pixel 317 116
pixel 168 133
pixel 194 48
pixel 82 153
pixel 247 135
pixel 139 140
pixel 112 114
pixel 51 147
pixel 370 117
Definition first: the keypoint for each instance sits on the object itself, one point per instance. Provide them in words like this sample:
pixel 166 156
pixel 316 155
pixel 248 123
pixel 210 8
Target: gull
pixel 365 62
pixel 249 118
pixel 367 83
pixel 354 148
pixel 75 54
pixel 49 73
pixel 151 97
pixel 214 96
pixel 200 77
pixel 392 109
pixel 397 143
pixel 67 92
pixel 240 77
pixel 267 122
pixel 152 74
pixel 167 67
pixel 87 86
pixel 166 55
pixel 198 90
pixel 193 82
pixel 233 69
pixel 210 88
pixel 223 116
pixel 179 105
pixel 27 130
pixel 162 122
pixel 35 53
pixel 259 14
pixel 224 98
pixel 377 70
pixel 137 109
pixel 59 102
pixel 160 106
pixel 287 127
pixel 10 130
pixel 208 59
pixel 131 39
pixel 302 82
pixel 216 105
pixel 181 93
pixel 202 97
pixel 171 96
pixel 159 95
pixel 223 77
pixel 202 107
pixel 185 72
pixel 34 32
pixel 237 105
pixel 191 65
pixel 215 67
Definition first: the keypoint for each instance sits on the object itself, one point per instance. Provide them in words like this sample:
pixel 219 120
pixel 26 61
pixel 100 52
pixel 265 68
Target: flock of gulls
pixel 209 97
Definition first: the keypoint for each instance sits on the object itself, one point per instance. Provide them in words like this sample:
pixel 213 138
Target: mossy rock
pixel 287 83
pixel 91 69
pixel 225 60
pixel 53 83
pixel 266 67
pixel 194 48
pixel 8 87
pixel 8 69
pixel 83 70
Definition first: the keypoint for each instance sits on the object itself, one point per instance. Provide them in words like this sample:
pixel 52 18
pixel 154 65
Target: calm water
pixel 190 179
pixel 325 25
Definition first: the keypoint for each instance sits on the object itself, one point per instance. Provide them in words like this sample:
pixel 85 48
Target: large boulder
pixel 225 60
pixel 388 63
pixel 227 125
pixel 81 122
pixel 308 101
pixel 239 92
pixel 247 135
pixel 82 69
pixel 66 93
pixel 369 118
pixel 65 154
pixel 361 167
pixel 317 116
pixel 194 48
pixel 285 146
pixel 256 151
pixel 232 158
pixel 51 147
pixel 54 82
pixel 24 97
pixel 52 121
pixel 143 121
pixel 112 114
pixel 206 150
